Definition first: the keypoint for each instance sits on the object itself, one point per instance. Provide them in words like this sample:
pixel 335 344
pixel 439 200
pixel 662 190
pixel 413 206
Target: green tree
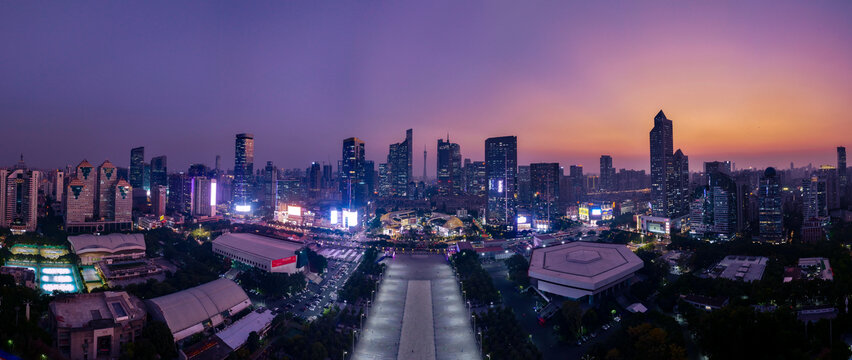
pixel 159 334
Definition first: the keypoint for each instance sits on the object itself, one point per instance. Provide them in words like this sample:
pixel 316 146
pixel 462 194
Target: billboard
pixel 294 210
pixel 284 261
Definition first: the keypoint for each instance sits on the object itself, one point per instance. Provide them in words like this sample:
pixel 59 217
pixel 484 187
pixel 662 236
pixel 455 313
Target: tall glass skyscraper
pixel 243 171
pixel 399 164
pixel 661 164
pixel 352 169
pixel 159 171
pixel 607 174
pixel 770 218
pixel 449 168
pixel 501 168
pixel 137 167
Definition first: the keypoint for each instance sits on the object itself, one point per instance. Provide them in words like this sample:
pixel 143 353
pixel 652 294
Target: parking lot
pixel 317 297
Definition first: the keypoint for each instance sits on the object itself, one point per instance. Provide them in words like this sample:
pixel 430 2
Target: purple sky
pixel 760 83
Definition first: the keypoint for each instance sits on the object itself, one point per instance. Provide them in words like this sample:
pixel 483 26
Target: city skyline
pixel 575 82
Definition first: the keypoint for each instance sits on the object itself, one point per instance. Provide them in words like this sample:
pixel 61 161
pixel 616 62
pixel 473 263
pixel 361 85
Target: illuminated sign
pixel 596 212
pixel 334 217
pixel 243 208
pixel 294 210
pixel 284 261
pixel 522 219
pixel 350 218
pixel 213 193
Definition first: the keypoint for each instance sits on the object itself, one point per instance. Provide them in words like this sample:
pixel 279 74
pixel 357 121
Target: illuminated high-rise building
pixel 107 179
pixel 679 195
pixel 159 171
pixel 501 167
pixel 662 150
pixel 814 199
pixel 476 180
pixel 544 185
pixel 352 170
pixel 315 180
pixel 19 199
pixel 204 196
pixel 607 180
pixel 399 164
pixel 243 171
pixel 137 167
pixel 449 168
pixel 158 200
pixel 122 203
pixel 80 195
pixel 269 189
pixel 843 176
pixel 770 217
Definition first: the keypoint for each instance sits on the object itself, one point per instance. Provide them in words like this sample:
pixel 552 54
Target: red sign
pixel 284 261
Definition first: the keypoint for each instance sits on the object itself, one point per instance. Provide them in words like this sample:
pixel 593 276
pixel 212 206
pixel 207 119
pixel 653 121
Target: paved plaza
pixel 418 314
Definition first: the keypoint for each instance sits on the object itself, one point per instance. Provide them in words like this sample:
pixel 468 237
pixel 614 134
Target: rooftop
pixel 237 334
pixel 737 267
pixel 261 246
pixel 106 243
pixel 584 265
pixel 79 310
pixel 189 307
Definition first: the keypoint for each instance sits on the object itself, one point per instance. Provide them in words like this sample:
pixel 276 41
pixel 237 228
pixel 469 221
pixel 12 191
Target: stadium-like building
pixel 265 253
pixel 580 269
pixel 192 310
pixel 94 248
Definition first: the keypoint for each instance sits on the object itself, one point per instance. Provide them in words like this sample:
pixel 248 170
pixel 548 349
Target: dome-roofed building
pixel 192 310
pixel 94 248
pixel 582 269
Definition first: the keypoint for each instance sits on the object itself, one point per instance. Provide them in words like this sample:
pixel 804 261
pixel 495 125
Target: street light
pixel 480 342
pixel 344 354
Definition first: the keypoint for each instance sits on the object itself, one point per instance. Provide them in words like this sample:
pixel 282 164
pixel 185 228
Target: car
pixel 605 326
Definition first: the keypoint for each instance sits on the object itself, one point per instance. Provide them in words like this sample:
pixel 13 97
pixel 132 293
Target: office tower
pixel 122 202
pixel 179 193
pixel 216 172
pixel 843 177
pixel 575 172
pixel 158 200
pixel 327 176
pixel 19 198
pixel 146 176
pixel 269 189
pixel 770 218
pixel 476 179
pixel 384 180
pixel 829 174
pixel 607 182
pixel 662 150
pixel 544 186
pixel 679 195
pixel 370 177
pixel 424 161
pixel 82 189
pixel 815 203
pixel 501 167
pixel 352 170
pixel 449 168
pixel 243 171
pixel 523 188
pixel 137 167
pixel 399 164
pixel 198 170
pixel 107 179
pixel 203 196
pixel 724 204
pixel 58 187
pixel 159 171
pixel 315 180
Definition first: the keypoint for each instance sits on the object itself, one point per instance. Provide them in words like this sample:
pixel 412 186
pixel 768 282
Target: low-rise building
pixel 744 268
pixel 110 248
pixel 23 276
pixel 193 310
pixel 265 253
pixel 95 326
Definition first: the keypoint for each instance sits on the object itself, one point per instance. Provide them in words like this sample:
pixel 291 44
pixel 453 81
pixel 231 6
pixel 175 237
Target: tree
pixel 159 334
pixel 518 269
pixel 571 316
pixel 590 319
pixel 253 341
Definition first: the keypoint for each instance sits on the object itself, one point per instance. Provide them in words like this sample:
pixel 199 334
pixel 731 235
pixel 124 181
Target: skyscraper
pixel 122 202
pixel 449 168
pixel 352 168
pixel 137 167
pixel 107 179
pixel 544 186
pixel 243 171
pixel 179 193
pixel 158 200
pixel 670 195
pixel 679 194
pixel 159 171
pixel 80 197
pixel 815 201
pixel 578 183
pixel 607 174
pixel 399 164
pixel 203 196
pixel 501 168
pixel 19 199
pixel 770 218
pixel 269 189
pixel 315 180
pixel 843 176
pixel 662 150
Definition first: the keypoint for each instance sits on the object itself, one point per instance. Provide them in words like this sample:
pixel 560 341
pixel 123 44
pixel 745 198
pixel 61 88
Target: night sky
pixel 758 82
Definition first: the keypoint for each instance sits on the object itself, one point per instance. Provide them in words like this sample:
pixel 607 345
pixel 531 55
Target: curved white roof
pixel 111 243
pixel 184 309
